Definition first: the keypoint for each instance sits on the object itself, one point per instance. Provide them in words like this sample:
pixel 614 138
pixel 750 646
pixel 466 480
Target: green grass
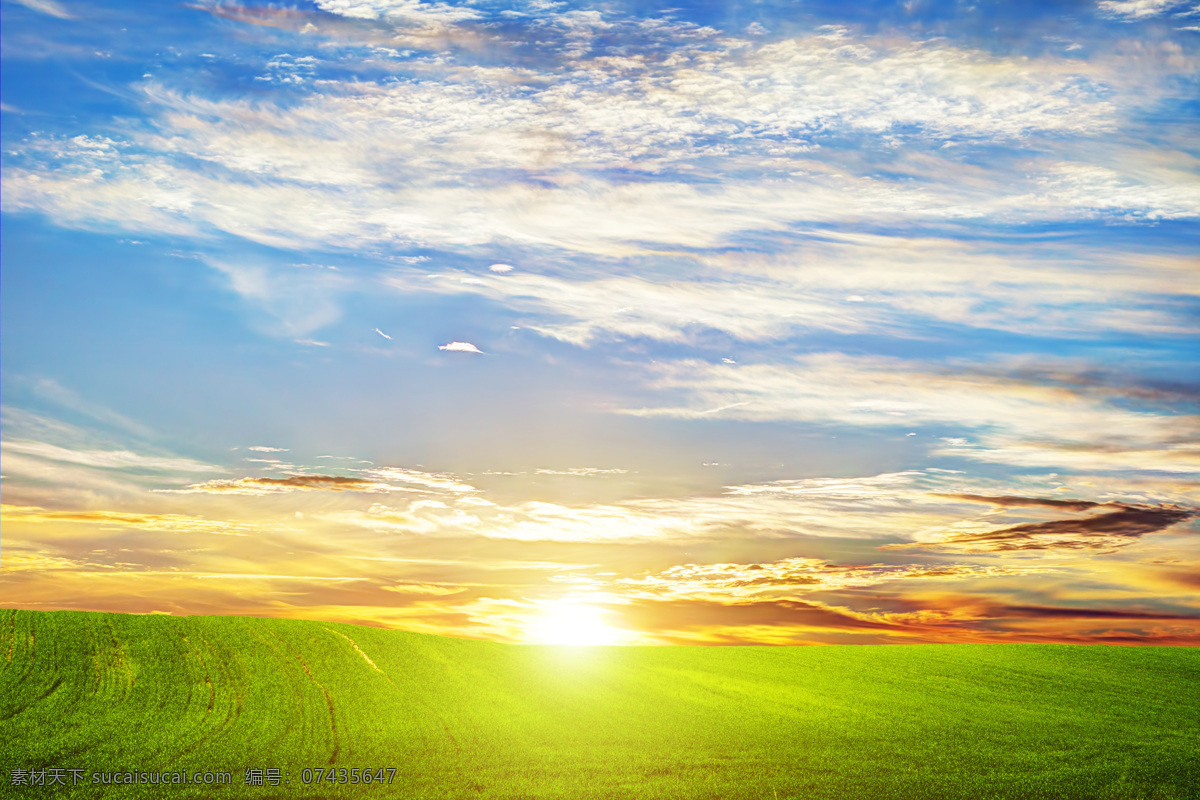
pixel 458 718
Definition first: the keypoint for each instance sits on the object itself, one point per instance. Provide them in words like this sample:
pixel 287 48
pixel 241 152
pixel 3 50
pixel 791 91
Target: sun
pixel 574 624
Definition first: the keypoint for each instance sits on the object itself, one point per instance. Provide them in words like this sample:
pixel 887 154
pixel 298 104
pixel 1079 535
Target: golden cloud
pixel 175 523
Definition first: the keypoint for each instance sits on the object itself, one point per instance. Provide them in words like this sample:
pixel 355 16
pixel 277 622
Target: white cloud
pixel 437 481
pixel 772 515
pixel 67 398
pixel 1037 420
pixel 1024 288
pixel 384 335
pixel 1100 191
pixel 1150 456
pixel 750 309
pixel 460 347
pixel 912 506
pixel 1130 10
pixel 50 7
pixel 258 448
pixel 297 303
pixel 501 268
pixel 408 11
pixel 622 218
pixel 107 459
pixel 30 480
pixel 396 157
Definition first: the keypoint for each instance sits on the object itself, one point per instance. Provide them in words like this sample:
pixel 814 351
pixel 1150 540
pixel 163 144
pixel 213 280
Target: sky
pixel 628 322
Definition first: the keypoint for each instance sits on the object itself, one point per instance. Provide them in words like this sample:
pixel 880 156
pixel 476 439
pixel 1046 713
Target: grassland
pixel 458 718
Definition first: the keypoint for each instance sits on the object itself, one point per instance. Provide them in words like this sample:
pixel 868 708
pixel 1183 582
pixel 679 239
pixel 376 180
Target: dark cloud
pixel 950 617
pixel 1010 501
pixel 1108 384
pixel 1102 383
pixel 945 619
pixel 1114 529
pixel 1122 526
pixel 255 486
pixel 335 483
pixel 1053 612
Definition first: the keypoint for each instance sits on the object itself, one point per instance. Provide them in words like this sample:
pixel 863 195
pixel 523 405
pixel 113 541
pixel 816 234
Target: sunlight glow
pixel 574 625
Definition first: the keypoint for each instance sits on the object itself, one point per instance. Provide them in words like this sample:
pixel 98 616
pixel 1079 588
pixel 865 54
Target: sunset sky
pixel 623 322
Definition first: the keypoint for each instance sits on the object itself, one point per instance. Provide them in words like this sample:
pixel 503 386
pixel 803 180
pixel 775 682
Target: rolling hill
pixel 417 716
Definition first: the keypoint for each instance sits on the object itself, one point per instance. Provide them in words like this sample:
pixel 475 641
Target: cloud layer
pixel 715 324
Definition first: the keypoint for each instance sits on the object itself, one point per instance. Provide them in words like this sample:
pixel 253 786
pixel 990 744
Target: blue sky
pixel 719 322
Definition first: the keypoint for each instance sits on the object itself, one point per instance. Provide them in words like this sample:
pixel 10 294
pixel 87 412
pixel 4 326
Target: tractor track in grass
pixel 119 653
pixel 271 642
pixel 54 687
pixel 51 689
pixel 428 707
pixel 359 650
pixel 328 703
pixel 433 712
pixel 230 719
pixel 97 669
pixel 333 727
pixel 212 694
pixel 239 697
pixel 21 708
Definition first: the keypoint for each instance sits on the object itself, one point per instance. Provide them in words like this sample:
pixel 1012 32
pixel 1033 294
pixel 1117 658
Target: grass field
pixel 459 718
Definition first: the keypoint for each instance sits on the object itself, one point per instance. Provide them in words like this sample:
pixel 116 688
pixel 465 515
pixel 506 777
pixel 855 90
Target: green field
pixel 459 718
